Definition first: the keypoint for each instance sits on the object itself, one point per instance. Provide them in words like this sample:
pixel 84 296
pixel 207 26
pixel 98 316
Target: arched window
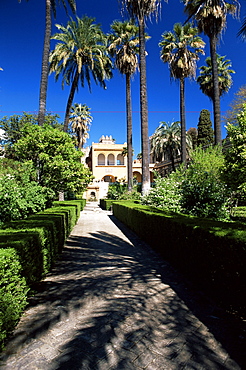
pixel 101 160
pixel 120 160
pixel 111 160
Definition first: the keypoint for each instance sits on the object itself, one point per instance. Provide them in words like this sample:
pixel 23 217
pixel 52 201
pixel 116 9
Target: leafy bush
pixel 234 171
pixel 203 193
pixel 166 193
pixel 118 191
pixel 13 292
pixel 115 190
pixel 20 196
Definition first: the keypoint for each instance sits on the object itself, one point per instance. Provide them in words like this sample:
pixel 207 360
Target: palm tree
pixel 140 10
pixel 80 118
pixel 181 49
pixel 124 46
pixel 165 142
pixel 205 80
pixel 210 16
pixel 50 5
pixel 242 30
pixel 80 54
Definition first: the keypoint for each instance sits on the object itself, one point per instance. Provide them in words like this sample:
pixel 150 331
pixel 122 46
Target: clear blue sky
pixel 21 42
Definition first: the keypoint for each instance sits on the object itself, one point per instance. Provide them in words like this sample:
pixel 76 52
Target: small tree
pixel 57 163
pixel 205 133
pixel 16 126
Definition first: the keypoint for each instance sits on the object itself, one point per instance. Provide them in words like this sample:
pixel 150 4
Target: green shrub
pixel 50 240
pixel 239 213
pixel 115 190
pixel 165 194
pixel 106 204
pixel 70 203
pixel 32 248
pixel 13 292
pixel 203 193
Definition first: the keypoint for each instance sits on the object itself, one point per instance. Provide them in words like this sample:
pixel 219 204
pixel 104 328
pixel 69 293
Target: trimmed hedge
pixel 13 292
pixel 28 248
pixel 106 203
pixel 70 203
pixel 239 214
pixel 212 254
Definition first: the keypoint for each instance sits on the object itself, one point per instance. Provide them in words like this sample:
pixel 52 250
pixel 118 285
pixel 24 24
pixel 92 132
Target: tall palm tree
pixel 205 80
pixel 50 5
pixel 80 54
pixel 124 46
pixel 210 16
pixel 181 49
pixel 140 9
pixel 242 30
pixel 80 119
pixel 165 142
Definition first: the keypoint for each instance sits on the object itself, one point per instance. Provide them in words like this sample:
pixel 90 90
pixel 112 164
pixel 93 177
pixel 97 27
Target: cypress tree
pixel 205 135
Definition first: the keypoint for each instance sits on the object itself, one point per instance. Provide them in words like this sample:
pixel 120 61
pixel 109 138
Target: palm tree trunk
pixel 216 97
pixel 45 65
pixel 182 121
pixel 70 100
pixel 129 131
pixel 144 109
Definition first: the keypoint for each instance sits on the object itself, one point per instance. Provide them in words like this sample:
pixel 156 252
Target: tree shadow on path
pixel 111 304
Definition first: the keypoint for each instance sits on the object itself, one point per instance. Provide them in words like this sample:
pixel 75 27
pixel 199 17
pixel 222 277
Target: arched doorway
pixel 108 178
pixel 137 175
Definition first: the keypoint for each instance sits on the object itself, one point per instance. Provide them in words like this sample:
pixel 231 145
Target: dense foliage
pixel 203 193
pixel 20 195
pixel 118 191
pixel 166 193
pixel 13 290
pixel 205 133
pixel 39 162
pixel 56 160
pixel 197 190
pixel 235 156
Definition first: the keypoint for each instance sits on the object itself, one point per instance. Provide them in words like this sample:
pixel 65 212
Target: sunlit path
pixel 112 303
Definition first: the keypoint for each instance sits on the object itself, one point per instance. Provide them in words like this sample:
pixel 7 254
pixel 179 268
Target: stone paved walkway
pixel 112 303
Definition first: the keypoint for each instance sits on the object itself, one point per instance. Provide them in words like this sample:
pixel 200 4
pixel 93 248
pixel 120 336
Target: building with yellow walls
pixel 107 164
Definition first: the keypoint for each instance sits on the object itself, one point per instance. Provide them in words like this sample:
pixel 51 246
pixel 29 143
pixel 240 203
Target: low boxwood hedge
pixel 70 203
pixel 29 248
pixel 13 292
pixel 211 253
pixel 106 204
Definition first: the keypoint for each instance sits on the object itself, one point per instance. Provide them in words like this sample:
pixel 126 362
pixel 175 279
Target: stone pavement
pixel 112 303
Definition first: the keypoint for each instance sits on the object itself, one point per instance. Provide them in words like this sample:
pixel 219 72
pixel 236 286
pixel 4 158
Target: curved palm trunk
pixel 129 131
pixel 144 110
pixel 182 121
pixel 45 65
pixel 70 100
pixel 216 98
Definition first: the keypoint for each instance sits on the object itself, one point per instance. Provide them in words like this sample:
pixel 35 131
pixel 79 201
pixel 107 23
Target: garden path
pixel 112 303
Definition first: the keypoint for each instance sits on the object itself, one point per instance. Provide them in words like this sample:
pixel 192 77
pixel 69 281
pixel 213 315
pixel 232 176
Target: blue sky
pixel 21 43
